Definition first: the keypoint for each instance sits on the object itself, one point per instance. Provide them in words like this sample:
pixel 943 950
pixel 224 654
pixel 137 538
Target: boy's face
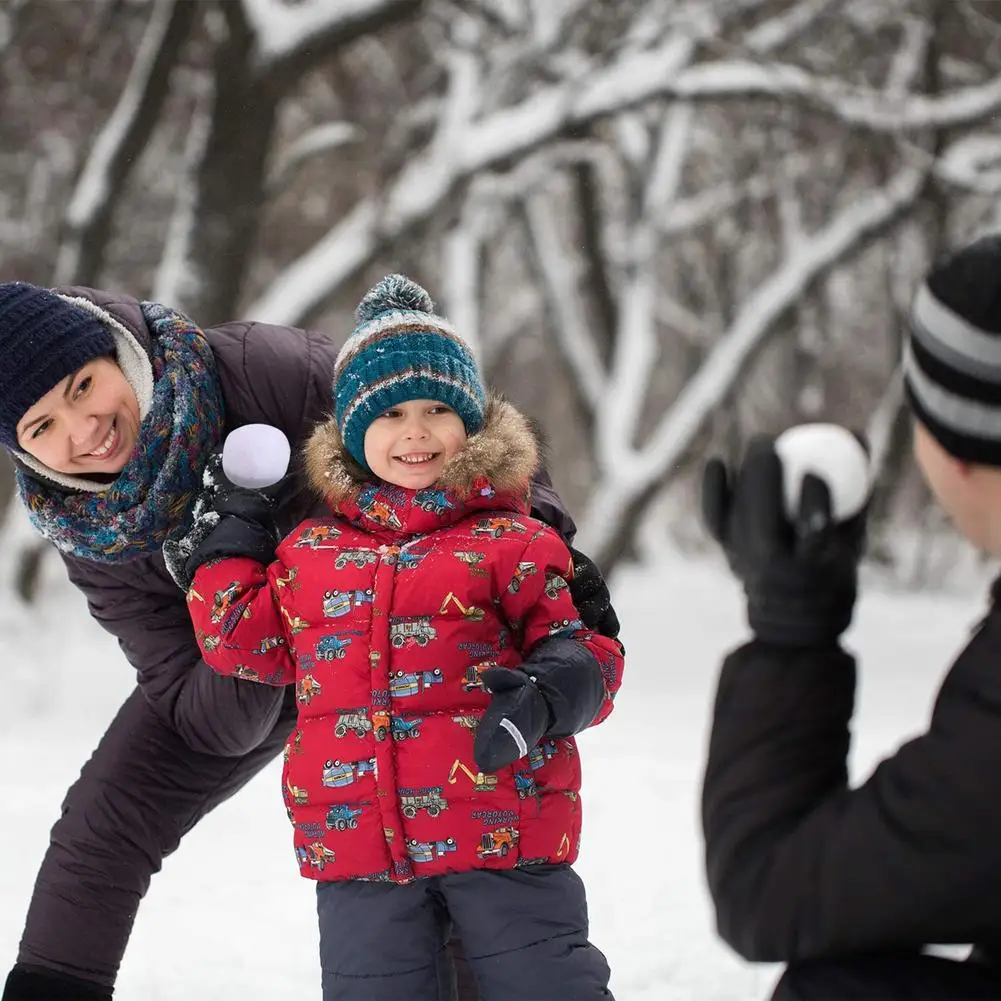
pixel 409 444
pixel 970 495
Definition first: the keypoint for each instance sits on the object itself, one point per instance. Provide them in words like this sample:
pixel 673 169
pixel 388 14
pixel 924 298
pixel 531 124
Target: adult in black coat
pixel 849 885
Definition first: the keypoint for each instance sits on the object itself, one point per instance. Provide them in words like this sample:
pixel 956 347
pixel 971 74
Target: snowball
pixel 835 455
pixel 255 456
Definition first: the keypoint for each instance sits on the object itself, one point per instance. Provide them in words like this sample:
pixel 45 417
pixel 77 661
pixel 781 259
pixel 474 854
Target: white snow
pixel 835 455
pixel 230 919
pixel 283 30
pixel 255 456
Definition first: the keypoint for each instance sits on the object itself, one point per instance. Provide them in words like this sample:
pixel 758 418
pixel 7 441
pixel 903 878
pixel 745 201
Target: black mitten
pixel 557 692
pixel 800 573
pixel 227 521
pixel 515 721
pixel 33 983
pixel 590 595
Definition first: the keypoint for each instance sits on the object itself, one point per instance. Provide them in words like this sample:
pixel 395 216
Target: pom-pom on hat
pixel 952 361
pixel 401 350
pixel 43 339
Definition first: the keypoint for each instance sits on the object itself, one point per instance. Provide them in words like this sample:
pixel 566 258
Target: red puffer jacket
pixel 383 618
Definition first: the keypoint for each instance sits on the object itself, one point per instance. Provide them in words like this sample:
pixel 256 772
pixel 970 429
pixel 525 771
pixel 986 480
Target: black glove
pixel 33 983
pixel 590 594
pixel 557 692
pixel 800 574
pixel 227 521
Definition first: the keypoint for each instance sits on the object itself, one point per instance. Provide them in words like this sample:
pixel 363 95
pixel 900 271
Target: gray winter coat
pixel 186 739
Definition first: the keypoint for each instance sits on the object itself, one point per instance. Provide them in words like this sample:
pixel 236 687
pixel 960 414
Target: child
pixel 441 670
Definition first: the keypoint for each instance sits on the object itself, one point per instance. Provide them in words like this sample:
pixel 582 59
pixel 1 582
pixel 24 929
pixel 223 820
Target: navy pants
pixel 524 932
pixel 895 977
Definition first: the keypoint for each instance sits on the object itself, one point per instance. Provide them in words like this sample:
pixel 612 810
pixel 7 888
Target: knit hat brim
pixel 952 379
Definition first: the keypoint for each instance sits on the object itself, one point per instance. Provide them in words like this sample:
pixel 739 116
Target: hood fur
pixel 505 451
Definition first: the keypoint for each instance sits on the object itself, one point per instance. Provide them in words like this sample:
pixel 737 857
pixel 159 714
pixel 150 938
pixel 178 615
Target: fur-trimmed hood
pixel 505 453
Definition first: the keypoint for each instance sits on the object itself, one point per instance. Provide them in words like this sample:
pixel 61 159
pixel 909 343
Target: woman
pixel 110 408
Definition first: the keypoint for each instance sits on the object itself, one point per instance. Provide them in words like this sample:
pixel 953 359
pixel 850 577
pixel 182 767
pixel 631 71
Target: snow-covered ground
pixel 205 933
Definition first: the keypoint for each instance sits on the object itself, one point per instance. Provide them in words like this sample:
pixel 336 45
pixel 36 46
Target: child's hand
pixel 515 721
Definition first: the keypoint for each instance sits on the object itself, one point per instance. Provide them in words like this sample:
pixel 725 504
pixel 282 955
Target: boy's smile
pixel 410 443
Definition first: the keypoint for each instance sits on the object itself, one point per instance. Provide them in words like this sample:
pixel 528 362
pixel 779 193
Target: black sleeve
pixel 548 506
pixel 798 864
pixel 569 677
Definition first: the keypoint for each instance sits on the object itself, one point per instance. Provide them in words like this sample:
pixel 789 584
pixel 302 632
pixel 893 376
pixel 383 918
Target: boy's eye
pixel 83 385
pixel 441 409
pixel 40 429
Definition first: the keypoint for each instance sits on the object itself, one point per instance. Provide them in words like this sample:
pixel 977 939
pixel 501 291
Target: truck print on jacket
pixel 401 599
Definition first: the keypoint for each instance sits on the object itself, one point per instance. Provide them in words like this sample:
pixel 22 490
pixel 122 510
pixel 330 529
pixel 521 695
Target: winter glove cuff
pixel 804 619
pixel 569 678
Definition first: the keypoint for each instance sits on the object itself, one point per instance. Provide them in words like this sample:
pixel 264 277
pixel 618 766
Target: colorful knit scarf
pixel 153 495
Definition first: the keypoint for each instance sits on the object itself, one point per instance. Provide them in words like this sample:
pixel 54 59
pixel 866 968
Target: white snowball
pixel 255 456
pixel 834 454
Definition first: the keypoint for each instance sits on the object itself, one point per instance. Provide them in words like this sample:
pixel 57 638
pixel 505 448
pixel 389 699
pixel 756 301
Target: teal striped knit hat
pixel 399 351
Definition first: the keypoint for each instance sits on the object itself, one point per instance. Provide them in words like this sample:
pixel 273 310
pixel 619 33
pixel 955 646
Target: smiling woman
pixel 86 425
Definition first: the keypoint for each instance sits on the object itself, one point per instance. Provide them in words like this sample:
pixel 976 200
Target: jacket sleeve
pixel 281 375
pixel 536 601
pixel 146 614
pixel 548 506
pixel 238 622
pixel 799 865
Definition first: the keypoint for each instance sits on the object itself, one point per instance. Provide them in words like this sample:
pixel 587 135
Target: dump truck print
pixel 411 630
pixel 359 558
pixel 356 722
pixel 429 799
pixel 497 842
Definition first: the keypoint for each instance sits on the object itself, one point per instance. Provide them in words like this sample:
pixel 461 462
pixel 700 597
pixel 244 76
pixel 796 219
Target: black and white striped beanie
pixel 952 361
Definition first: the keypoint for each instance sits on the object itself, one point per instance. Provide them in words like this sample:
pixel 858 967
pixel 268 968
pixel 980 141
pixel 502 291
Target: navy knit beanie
pixel 952 361
pixel 399 351
pixel 43 339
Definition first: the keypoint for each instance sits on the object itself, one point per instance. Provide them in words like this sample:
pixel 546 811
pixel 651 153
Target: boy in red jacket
pixel 441 671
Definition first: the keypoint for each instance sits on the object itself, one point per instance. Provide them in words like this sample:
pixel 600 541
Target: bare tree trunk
pixel 232 179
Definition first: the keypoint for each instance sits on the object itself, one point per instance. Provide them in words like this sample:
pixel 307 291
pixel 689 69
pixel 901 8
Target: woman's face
pixel 85 425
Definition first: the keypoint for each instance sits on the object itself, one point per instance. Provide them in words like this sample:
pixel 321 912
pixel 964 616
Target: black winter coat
pixel 800 865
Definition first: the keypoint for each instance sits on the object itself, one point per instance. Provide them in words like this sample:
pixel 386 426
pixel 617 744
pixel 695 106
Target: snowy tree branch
pixel 285 32
pixel 512 132
pixel 317 141
pixel 90 209
pixel 634 473
pixel 560 275
pixel 786 26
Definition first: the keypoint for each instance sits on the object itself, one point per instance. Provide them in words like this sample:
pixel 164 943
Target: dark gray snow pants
pixel 524 932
